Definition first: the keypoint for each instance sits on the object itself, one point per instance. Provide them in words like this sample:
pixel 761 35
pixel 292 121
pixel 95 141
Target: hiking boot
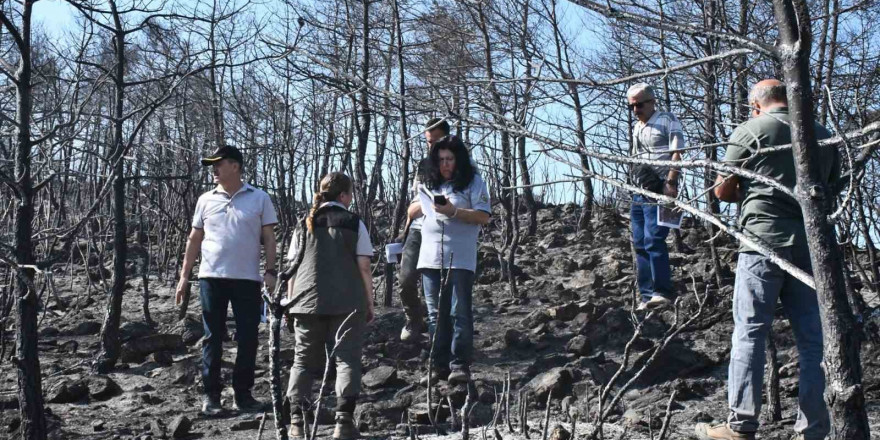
pixel 720 432
pixel 412 330
pixel 657 302
pixel 244 402
pixel 298 424
pixel 459 375
pixel 211 405
pixel 436 377
pixel 296 431
pixel 345 428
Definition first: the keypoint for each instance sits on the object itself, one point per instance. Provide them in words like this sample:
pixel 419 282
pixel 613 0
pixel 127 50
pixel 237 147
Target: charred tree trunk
pixel 403 189
pixel 522 159
pixel 26 361
pixel 711 69
pixel 844 393
pixel 364 120
pixel 110 338
pixel 498 115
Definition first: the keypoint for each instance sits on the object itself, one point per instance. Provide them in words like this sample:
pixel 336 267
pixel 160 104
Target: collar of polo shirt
pixel 244 187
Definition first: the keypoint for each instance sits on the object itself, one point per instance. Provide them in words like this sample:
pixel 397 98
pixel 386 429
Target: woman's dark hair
pixel 464 171
pixel 332 185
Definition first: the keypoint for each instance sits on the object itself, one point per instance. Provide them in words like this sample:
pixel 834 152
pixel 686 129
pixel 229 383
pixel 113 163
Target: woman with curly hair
pixel 449 251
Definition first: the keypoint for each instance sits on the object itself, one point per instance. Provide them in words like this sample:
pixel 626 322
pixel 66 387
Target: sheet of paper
pixel 669 217
pixel 427 201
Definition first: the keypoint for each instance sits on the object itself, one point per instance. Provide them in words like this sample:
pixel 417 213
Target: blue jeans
pixel 451 317
pixel 216 294
pixel 652 255
pixel 758 285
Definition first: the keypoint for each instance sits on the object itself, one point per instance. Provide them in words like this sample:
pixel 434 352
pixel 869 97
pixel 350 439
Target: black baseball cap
pixel 224 152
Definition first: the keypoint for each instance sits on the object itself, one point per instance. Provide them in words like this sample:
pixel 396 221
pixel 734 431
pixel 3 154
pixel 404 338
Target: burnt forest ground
pixel 567 335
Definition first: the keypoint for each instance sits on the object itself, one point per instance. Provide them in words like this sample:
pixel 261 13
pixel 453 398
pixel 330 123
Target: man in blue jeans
pixel 656 135
pixel 774 219
pixel 229 225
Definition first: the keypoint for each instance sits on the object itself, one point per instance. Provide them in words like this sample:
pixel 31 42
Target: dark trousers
pixel 216 294
pixel 409 275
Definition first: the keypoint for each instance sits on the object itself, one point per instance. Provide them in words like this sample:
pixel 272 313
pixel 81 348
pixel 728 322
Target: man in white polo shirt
pixel 229 225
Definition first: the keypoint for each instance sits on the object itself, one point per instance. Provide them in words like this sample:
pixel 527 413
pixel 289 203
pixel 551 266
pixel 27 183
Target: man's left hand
pixel 269 282
pixel 670 190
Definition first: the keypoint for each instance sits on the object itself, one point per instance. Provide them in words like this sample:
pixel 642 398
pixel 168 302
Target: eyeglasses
pixel 638 104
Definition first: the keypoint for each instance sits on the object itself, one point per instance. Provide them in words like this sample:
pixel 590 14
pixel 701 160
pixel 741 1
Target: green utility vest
pixel 328 282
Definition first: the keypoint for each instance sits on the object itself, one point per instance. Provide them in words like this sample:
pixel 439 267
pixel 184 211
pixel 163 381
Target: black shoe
pixel 211 405
pixel 247 403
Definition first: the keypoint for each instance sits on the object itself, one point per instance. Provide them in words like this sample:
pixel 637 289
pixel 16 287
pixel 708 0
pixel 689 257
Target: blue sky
pixel 54 15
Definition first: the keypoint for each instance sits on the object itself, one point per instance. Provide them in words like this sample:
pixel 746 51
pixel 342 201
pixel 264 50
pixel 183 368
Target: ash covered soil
pixel 565 337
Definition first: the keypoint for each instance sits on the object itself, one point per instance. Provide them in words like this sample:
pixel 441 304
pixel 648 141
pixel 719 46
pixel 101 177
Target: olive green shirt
pixel 767 215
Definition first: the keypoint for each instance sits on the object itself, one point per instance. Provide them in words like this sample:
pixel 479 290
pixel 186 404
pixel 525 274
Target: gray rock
pixel 564 313
pixel 190 329
pixel 69 347
pixel 557 381
pixel 514 338
pixel 47 332
pixel 182 372
pixel 86 328
pixel 157 428
pixel 137 350
pixel 559 433
pixel 68 391
pixel 553 240
pixel 588 262
pixel 162 358
pixel 579 345
pixel 133 330
pixel 379 377
pixel 245 425
pixel 179 427
pixel 535 318
pixel 564 265
pixel 102 387
pixel 8 401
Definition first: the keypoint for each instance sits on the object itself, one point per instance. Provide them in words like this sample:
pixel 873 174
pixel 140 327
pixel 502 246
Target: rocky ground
pixel 565 338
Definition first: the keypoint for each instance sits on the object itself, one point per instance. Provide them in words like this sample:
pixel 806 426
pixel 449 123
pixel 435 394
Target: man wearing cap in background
pixel 230 223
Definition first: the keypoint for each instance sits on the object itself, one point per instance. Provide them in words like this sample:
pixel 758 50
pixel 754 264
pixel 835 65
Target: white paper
pixel 392 250
pixel 669 217
pixel 426 198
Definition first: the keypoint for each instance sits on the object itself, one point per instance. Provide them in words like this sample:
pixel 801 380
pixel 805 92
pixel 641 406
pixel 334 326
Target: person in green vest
pixel 330 297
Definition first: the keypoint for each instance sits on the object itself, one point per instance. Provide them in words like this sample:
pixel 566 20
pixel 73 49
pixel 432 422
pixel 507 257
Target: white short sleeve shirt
pixel 233 226
pixel 364 245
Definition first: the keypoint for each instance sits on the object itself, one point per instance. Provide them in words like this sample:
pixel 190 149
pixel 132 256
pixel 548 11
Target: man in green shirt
pixel 773 219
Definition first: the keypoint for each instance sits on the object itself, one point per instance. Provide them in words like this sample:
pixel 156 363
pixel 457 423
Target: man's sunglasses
pixel 639 104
